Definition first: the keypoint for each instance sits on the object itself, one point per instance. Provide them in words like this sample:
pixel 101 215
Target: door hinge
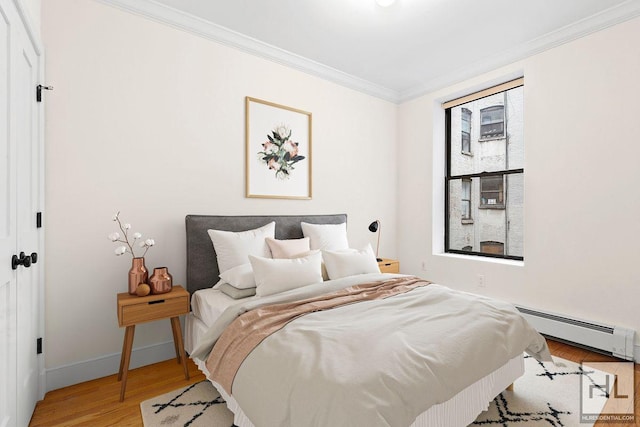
pixel 39 89
pixel 39 346
pixel 38 219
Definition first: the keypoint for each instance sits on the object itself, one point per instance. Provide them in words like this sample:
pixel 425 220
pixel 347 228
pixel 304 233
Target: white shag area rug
pixel 546 395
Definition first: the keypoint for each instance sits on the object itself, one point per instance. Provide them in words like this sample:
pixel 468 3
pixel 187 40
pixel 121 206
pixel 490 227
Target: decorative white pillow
pixel 279 275
pixel 287 248
pixel 240 276
pixel 233 248
pixel 350 262
pixel 325 276
pixel 331 237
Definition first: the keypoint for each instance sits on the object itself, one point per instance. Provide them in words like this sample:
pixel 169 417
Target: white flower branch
pixel 124 228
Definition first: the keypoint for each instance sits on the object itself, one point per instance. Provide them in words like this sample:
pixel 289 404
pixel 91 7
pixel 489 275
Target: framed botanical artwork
pixel 278 145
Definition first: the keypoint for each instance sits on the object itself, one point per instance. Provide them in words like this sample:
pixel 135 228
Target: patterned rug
pixel 197 405
pixel 546 395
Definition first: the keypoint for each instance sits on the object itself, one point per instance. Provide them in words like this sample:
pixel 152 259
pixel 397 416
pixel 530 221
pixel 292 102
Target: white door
pixel 8 236
pixel 27 287
pixel 20 187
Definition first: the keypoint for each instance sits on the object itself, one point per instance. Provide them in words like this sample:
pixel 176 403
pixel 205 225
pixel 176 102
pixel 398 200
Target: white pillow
pixel 279 275
pixel 325 276
pixel 240 276
pixel 233 249
pixel 331 237
pixel 287 248
pixel 350 262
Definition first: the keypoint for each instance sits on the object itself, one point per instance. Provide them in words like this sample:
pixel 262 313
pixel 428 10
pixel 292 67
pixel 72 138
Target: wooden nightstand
pixel 133 310
pixel 389 265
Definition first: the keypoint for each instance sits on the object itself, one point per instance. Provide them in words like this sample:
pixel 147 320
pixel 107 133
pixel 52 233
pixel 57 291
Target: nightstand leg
pixel 177 339
pixel 175 330
pixel 124 350
pixel 126 357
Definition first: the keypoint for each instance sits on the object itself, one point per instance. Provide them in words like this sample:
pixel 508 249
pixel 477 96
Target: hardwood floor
pixel 96 403
pixel 579 355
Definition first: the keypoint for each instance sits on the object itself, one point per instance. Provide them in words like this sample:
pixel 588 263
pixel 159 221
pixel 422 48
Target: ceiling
pixel 397 52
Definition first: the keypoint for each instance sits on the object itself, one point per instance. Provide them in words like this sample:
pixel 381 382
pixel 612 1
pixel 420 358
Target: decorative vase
pixel 138 274
pixel 160 281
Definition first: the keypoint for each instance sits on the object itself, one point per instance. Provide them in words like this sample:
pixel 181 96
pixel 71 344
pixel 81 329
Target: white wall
pixel 149 120
pixel 582 197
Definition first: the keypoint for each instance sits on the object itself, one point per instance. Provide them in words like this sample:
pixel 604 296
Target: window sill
pixel 491 207
pixel 467 153
pixel 502 261
pixel 491 138
pixel 466 221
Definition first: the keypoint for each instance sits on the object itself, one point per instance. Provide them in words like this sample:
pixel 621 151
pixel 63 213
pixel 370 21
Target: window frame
pixel 500 205
pixel 465 113
pixel 466 219
pixel 447 106
pixel 490 136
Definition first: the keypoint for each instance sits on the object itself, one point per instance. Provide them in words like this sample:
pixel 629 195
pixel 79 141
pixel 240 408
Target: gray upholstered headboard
pixel 202 263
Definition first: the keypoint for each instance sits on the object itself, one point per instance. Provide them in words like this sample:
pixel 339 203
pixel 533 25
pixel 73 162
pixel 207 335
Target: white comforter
pixel 374 363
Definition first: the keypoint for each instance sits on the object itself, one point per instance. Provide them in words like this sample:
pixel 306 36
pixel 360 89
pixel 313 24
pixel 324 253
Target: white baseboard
pixel 63 376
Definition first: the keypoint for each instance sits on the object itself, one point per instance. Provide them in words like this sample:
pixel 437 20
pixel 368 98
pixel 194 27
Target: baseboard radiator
pixel 611 340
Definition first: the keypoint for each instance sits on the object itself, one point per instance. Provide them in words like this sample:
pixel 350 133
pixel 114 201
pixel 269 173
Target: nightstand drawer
pixel 389 266
pixel 153 310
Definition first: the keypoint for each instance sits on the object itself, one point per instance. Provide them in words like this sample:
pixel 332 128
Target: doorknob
pixel 23 259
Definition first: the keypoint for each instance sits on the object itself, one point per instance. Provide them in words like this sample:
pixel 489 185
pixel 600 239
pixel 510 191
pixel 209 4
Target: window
pixel 488 186
pixel 492 192
pixel 492 122
pixel 466 130
pixel 496 248
pixel 466 199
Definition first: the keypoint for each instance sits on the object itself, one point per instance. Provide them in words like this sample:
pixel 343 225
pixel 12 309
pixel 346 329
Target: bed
pixel 265 393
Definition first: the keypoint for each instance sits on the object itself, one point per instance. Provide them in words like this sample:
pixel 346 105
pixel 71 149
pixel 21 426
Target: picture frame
pixel 278 151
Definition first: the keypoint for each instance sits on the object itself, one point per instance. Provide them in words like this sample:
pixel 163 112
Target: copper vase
pixel 138 274
pixel 160 281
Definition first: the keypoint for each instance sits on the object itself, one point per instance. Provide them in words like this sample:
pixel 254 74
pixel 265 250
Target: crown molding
pixel 607 18
pixel 190 23
pixel 167 15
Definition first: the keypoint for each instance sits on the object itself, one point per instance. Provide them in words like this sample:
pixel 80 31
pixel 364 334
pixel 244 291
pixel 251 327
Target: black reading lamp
pixel 376 227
